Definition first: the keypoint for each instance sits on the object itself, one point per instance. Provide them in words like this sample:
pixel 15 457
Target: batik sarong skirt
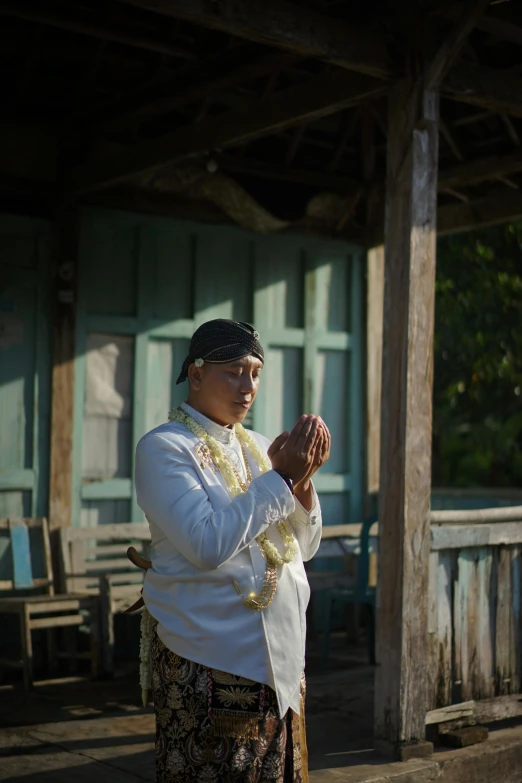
pixel 214 727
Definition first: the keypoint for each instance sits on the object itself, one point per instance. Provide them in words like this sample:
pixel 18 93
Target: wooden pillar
pixel 407 376
pixel 62 404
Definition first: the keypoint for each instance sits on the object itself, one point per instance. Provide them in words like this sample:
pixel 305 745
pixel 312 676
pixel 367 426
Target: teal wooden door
pixel 147 283
pixel 308 308
pixel 24 367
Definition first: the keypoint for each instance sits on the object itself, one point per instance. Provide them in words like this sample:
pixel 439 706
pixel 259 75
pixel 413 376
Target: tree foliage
pixel 477 417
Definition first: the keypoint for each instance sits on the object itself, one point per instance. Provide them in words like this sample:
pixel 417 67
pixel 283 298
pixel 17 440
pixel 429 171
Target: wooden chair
pixel 34 600
pixel 94 561
pixel 361 594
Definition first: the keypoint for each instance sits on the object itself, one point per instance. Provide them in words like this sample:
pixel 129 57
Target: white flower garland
pixel 234 486
pixel 256 602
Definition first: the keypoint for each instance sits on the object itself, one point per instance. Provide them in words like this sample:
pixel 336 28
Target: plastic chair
pixel 362 595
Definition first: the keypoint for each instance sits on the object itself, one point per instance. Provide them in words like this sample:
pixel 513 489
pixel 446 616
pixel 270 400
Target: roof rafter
pixel 73 22
pixel 287 26
pixel 318 97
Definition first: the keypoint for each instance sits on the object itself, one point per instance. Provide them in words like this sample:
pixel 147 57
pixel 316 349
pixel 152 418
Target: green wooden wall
pixel 146 283
pixel 24 366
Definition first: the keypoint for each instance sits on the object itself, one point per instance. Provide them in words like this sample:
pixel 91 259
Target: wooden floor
pixel 77 731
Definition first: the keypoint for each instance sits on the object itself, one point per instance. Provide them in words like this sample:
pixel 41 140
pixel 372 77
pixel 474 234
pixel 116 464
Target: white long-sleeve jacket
pixel 202 540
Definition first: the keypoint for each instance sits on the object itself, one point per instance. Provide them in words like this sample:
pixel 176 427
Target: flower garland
pixel 255 601
pixel 236 487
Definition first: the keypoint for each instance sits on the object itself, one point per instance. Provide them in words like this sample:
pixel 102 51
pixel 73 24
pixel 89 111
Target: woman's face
pixel 225 392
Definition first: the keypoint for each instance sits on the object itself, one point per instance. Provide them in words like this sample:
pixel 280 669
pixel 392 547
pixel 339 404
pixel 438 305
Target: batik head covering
pixel 221 341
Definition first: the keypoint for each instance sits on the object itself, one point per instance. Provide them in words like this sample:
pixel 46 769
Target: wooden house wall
pixel 474 618
pixel 25 366
pixel 146 283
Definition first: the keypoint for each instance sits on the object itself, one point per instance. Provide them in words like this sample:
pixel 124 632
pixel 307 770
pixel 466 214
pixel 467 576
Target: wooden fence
pixel 475 619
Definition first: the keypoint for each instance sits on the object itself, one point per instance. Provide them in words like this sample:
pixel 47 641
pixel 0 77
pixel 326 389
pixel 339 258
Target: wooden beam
pixel 374 314
pixel 407 379
pixel 269 170
pixel 497 91
pixel 190 84
pixel 499 207
pixel 348 130
pixel 502 29
pixel 452 142
pixel 453 42
pixel 480 170
pixel 511 130
pixel 288 26
pixel 319 97
pixel 62 403
pixel 285 25
pixel 120 33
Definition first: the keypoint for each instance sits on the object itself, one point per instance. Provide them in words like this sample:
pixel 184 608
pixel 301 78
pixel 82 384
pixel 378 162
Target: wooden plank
pixel 433 632
pixel 29 522
pixel 479 86
pixel 357 407
pixel 485 628
pixel 209 76
pixel 64 324
pixel 451 712
pixel 444 629
pixel 122 532
pixel 103 550
pixel 310 391
pixel 271 170
pixel 57 622
pixel 457 613
pixel 503 624
pixel 501 29
pixel 21 551
pixel 374 315
pixel 453 42
pixel 501 708
pixel 321 96
pixel 462 536
pixel 77 550
pixel 468 580
pixel 341 531
pixel 473 172
pixel 410 249
pixel 120 33
pixel 476 516
pixel 17 479
pixel 499 206
pixel 62 605
pixel 48 560
pixel 516 634
pixel 109 489
pixel 289 26
pixel 102 566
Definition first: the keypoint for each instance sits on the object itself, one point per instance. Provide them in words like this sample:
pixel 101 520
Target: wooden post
pixel 407 375
pixel 64 324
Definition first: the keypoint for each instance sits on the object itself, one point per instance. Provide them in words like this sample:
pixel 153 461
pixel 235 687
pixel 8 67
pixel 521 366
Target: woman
pixel 232 518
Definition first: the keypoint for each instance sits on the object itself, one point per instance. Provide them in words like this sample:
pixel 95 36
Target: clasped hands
pixel 301 453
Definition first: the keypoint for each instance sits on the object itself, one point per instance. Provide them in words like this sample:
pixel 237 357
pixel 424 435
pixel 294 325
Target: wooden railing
pixel 475 619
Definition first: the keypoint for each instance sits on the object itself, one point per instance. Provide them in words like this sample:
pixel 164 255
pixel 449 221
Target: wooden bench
pixel 34 601
pixel 94 561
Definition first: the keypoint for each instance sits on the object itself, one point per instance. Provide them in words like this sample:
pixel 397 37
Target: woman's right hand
pixel 293 453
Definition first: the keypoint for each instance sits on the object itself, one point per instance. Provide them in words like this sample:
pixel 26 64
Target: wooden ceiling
pixel 290 100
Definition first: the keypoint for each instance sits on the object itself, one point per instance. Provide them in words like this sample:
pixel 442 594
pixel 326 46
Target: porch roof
pixel 172 105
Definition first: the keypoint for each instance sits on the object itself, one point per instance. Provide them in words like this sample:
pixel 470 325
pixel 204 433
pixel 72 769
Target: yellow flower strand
pixel 236 487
